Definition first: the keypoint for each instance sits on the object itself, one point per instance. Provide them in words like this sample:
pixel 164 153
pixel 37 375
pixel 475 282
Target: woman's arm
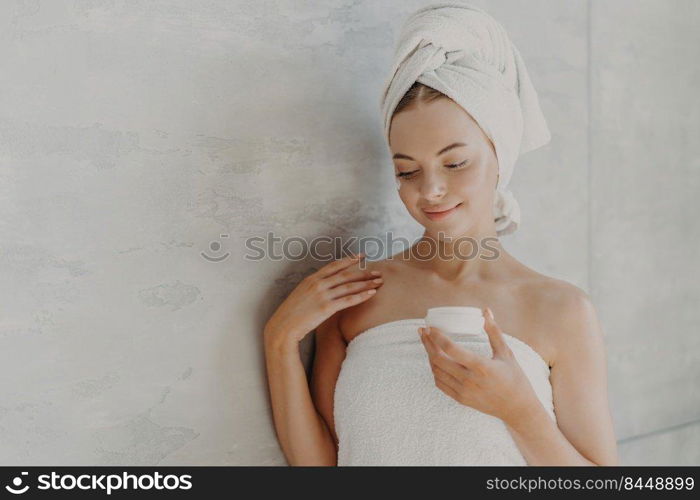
pixel 312 305
pixel 328 359
pixel 583 433
pixel 301 431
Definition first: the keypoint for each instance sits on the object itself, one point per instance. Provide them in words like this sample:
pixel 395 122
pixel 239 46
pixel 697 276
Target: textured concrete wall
pixel 134 136
pixel 644 184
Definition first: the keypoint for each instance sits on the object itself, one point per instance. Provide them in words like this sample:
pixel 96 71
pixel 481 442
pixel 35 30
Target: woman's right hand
pixel 319 296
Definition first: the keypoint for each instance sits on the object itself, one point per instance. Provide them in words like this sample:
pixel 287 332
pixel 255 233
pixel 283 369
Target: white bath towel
pixel 388 410
pixel 461 51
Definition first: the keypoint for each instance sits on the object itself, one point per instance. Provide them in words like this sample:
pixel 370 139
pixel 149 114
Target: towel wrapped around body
pixel 388 410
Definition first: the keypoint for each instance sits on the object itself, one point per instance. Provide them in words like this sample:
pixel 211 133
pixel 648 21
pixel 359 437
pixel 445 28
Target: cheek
pixel 410 197
pixel 407 194
pixel 476 179
pixel 469 184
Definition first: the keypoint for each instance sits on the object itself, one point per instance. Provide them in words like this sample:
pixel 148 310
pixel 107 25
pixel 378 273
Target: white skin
pixel 554 317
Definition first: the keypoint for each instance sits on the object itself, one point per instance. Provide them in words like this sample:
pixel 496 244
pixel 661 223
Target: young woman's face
pixel 434 176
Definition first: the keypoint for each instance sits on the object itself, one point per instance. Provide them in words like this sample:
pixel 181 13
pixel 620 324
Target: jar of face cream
pixel 466 321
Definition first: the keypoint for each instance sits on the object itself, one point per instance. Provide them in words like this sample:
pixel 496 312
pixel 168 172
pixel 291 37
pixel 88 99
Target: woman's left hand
pixel 496 386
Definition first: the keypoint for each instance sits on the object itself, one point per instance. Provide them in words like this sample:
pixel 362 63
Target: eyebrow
pixel 400 156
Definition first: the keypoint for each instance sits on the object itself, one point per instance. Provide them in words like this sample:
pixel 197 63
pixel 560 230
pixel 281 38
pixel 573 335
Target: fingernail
pixel 490 312
pixel 375 273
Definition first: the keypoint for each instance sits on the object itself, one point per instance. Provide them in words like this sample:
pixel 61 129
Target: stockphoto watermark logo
pixel 18 487
pixel 273 247
pixel 212 254
pixel 101 482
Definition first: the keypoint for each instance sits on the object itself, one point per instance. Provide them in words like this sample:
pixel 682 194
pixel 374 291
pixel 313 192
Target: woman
pixel 458 110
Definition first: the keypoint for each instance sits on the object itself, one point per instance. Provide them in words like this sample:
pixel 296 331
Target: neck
pixel 475 254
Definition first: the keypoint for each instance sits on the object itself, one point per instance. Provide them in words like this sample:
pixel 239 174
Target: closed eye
pixel 457 165
pixel 450 166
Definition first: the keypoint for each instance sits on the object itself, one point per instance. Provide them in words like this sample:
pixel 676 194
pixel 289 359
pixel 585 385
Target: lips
pixel 440 212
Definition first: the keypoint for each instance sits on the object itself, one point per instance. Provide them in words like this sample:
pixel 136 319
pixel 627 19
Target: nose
pixel 434 186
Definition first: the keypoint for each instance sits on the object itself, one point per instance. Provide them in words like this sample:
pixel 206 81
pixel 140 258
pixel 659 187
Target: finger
pixel 354 287
pixel 337 265
pixel 348 276
pixel 449 391
pixel 351 300
pixel 425 345
pixel 447 377
pixel 464 357
pixel 428 347
pixel 448 365
pixel 496 338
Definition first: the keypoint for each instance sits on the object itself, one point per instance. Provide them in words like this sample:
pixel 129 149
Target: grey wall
pixel 134 134
pixel 644 180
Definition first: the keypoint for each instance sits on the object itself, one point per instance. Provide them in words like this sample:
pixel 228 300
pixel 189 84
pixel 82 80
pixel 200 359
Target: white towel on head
pixel 461 51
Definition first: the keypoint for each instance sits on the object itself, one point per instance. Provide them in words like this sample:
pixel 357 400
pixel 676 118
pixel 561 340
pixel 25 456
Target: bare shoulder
pixel 387 267
pixel 354 319
pixel 564 312
pixel 383 265
pixel 557 294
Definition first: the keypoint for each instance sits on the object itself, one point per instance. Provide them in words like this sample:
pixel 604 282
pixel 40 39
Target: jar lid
pixel 456 319
pixel 461 310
